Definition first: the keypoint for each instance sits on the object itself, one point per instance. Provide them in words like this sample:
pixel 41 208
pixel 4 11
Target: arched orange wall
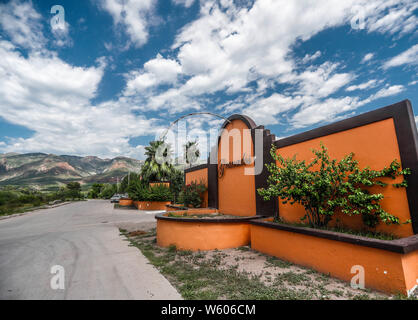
pixel 198 176
pixel 236 191
pixel 375 145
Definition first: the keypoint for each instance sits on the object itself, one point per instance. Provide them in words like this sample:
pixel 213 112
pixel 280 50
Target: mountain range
pixel 49 171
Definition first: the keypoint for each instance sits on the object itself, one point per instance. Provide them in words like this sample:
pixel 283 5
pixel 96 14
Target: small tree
pixel 176 183
pixel 324 186
pixel 73 190
pixel 157 165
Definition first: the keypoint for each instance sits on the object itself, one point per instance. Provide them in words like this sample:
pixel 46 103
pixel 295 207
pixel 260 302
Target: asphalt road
pixel 83 238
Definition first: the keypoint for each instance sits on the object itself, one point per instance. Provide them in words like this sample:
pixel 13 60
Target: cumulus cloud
pixel 365 85
pixel 242 51
pixel 133 16
pixel 155 72
pixel 311 57
pixel 53 98
pixel 409 56
pixel 186 3
pixel 22 24
pixel 388 91
pixel 367 57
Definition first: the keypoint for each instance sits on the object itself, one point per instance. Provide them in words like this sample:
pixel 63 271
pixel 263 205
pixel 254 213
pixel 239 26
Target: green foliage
pixel 73 190
pixel 21 199
pixel 176 183
pixel 127 181
pixel 140 191
pixel 95 190
pixel 157 166
pixel 159 193
pixel 108 190
pixel 192 194
pixel 325 186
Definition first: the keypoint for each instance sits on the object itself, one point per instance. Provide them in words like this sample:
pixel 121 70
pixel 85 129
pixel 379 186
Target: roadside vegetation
pixel 242 274
pixel 21 199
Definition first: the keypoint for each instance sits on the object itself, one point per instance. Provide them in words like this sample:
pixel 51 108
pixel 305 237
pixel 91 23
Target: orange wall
pixel 202 236
pixel 198 176
pixel 151 205
pixel 375 145
pixel 236 191
pixel 153 184
pixel 384 270
pixel 125 202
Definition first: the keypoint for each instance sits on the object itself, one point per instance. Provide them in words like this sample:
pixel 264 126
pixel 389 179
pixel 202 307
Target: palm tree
pixel 157 166
pixel 191 152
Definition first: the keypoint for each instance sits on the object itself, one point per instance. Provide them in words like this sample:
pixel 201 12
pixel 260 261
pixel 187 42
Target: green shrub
pixel 325 186
pixel 159 193
pixel 141 192
pixel 192 194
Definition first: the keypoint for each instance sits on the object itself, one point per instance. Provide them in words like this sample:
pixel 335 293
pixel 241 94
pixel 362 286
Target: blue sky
pixel 116 72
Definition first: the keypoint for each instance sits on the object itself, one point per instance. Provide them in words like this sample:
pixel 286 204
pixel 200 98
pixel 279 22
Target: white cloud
pixel 266 110
pixel 324 111
pixel 367 57
pixel 416 121
pixel 231 46
pixel 311 57
pixel 186 3
pixel 409 56
pixel 365 85
pixel 22 23
pixel 156 71
pixel 388 91
pixel 133 15
pixel 53 98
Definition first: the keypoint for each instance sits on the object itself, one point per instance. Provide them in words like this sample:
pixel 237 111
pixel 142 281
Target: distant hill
pixel 49 171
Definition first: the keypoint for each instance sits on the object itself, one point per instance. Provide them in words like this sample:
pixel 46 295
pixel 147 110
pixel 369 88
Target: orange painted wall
pixel 153 184
pixel 198 176
pixel 375 145
pixel 151 205
pixel 202 236
pixel 125 202
pixel 236 191
pixel 384 270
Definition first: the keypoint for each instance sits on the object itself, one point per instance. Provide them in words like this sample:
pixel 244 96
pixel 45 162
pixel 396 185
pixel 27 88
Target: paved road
pixel 82 237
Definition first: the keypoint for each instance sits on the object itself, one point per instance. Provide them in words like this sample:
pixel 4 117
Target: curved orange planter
pixel 125 202
pixel 151 205
pixel 202 233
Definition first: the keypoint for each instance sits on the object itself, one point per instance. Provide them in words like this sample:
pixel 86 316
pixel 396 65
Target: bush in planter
pixel 336 185
pixel 191 194
pixel 159 193
pixel 139 191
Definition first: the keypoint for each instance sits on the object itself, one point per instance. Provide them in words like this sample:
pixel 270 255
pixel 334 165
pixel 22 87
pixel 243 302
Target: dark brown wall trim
pixel 161 216
pixel 195 168
pixel 404 245
pixel 406 132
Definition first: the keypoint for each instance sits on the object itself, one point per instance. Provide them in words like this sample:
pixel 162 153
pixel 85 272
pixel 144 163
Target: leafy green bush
pixel 325 186
pixel 192 194
pixel 141 192
pixel 159 193
pixel 176 183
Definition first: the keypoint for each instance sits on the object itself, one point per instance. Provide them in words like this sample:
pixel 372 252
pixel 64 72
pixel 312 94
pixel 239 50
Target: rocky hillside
pixel 47 171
